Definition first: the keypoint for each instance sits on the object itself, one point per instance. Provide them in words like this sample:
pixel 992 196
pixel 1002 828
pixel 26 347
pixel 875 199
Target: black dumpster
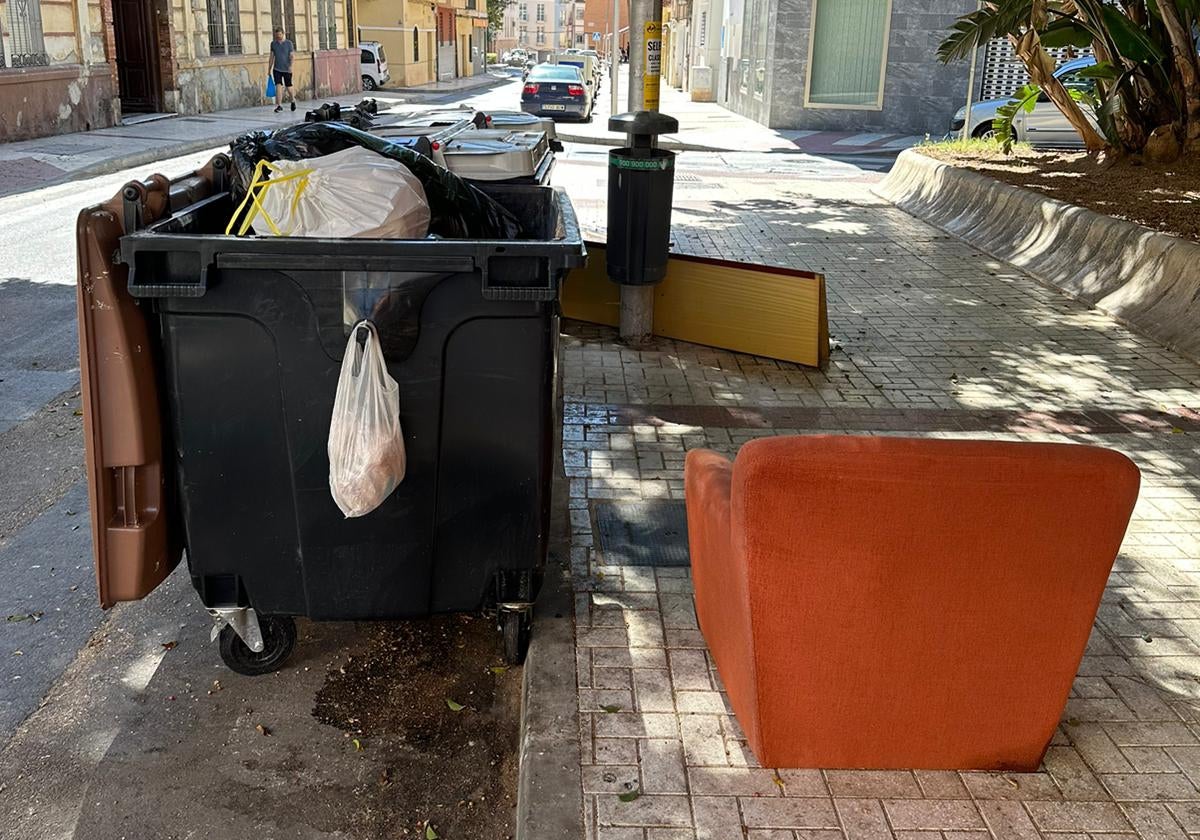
pixel 253 331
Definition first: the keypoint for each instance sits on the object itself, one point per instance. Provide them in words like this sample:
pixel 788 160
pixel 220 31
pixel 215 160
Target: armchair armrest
pixel 720 580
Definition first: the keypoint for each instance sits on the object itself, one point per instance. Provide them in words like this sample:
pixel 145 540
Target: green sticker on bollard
pixel 658 164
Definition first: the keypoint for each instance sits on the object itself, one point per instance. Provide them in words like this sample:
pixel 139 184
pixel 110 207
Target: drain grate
pixel 642 533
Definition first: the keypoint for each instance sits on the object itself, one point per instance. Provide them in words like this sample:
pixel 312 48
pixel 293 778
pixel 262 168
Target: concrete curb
pixel 429 91
pixel 138 158
pixel 1149 280
pixel 616 142
pixel 156 154
pixel 549 783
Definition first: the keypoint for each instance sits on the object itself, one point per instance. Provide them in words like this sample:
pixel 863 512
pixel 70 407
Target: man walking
pixel 280 68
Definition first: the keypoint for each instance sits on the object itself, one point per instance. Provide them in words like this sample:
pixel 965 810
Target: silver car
pixel 1045 125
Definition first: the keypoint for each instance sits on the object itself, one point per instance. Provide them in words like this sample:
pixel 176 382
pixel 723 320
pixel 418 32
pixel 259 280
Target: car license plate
pixel 556 107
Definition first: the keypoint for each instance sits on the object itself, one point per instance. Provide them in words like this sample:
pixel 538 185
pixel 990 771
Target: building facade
pixel 426 41
pixel 541 26
pixel 843 65
pixel 598 20
pixel 74 65
pixel 57 68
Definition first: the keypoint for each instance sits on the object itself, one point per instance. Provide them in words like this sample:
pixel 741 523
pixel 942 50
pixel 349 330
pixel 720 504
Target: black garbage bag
pixel 361 115
pixel 457 209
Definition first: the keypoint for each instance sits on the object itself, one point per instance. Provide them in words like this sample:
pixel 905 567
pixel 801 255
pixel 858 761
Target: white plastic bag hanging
pixel 366 443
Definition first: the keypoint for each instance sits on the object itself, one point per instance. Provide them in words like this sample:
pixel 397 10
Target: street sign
pixel 595 36
pixel 653 65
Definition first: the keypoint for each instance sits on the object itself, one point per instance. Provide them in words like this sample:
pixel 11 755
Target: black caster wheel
pixel 279 639
pixel 517 627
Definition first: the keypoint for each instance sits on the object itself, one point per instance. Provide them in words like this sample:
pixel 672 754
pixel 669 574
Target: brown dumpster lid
pixel 135 539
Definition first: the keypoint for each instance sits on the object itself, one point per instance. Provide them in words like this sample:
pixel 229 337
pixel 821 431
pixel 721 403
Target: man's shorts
pixel 282 78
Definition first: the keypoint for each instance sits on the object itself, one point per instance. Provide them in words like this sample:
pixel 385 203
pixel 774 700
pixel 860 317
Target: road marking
pixel 862 139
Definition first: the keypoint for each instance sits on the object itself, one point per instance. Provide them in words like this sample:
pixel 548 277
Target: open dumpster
pixel 209 367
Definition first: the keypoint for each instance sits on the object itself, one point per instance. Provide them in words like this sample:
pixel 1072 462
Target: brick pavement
pixel 933 338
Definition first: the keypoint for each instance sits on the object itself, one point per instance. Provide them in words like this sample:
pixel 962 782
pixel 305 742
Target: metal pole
pixel 966 129
pixel 645 67
pixel 614 56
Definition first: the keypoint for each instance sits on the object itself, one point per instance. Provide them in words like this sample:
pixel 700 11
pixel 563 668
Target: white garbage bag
pixel 366 443
pixel 352 193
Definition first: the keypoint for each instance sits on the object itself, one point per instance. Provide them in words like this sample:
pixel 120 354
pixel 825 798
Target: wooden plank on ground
pixel 767 311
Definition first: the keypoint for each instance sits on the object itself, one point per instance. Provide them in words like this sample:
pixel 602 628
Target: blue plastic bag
pixel 270 87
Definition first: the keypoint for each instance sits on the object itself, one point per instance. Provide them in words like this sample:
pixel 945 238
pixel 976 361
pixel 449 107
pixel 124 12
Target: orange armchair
pixel 881 602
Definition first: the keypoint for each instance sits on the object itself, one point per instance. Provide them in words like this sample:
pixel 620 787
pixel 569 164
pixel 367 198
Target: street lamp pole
pixel 645 67
pixel 614 55
pixel 966 129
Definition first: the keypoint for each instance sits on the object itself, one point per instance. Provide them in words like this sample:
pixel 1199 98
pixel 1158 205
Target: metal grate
pixel 283 16
pixel 25 32
pixel 1003 72
pixel 224 27
pixel 326 25
pixel 642 533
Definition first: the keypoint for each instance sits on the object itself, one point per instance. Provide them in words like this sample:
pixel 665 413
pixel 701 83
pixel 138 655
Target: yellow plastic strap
pixel 260 183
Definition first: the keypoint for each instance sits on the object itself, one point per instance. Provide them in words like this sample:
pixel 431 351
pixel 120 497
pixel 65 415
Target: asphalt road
pixel 47 587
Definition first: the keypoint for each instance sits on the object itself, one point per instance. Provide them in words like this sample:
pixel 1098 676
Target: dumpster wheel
pixel 279 639
pixel 517 627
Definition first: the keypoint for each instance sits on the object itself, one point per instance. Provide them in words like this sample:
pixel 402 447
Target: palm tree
pixel 1147 72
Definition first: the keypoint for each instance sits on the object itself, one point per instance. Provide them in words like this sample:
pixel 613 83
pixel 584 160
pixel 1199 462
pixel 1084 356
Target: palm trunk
pixel 1188 67
pixel 1041 73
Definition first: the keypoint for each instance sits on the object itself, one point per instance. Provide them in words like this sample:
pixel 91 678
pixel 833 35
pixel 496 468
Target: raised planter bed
pixel 1147 279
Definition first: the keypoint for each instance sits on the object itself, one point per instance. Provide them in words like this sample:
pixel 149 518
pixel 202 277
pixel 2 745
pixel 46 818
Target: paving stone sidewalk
pixel 934 338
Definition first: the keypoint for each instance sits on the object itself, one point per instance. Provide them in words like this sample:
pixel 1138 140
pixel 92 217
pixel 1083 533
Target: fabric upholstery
pixel 883 602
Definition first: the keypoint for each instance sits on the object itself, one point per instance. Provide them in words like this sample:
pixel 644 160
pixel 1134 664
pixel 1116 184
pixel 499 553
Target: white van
pixel 374 65
pixel 588 66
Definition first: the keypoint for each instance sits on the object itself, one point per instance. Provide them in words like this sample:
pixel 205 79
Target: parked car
pixel 374 65
pixel 587 64
pixel 1045 125
pixel 557 90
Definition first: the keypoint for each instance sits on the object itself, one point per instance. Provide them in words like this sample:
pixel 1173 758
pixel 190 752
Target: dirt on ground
pixel 435 699
pixel 1163 198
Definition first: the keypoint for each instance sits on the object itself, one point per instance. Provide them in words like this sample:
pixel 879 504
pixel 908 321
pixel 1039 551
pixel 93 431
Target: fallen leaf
pixel 779 782
pixel 454 707
pixel 629 796
pixel 500 669
pixel 1175 430
pixel 33 616
pixel 358 747
pixel 263 730
pixel 430 834
pixel 78 412
pixel 170 645
pixel 612 708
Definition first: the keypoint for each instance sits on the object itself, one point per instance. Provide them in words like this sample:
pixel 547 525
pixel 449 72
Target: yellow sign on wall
pixel 650 82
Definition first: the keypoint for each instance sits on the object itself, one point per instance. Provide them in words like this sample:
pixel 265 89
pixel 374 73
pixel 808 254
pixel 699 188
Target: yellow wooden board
pixel 762 310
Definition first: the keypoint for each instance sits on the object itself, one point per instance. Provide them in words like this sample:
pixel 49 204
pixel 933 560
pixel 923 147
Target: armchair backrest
pixel 897 583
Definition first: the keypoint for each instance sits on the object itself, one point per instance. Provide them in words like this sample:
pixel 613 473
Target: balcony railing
pixel 24 26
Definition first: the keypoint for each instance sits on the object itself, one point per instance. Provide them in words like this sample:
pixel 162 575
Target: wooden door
pixel 137 59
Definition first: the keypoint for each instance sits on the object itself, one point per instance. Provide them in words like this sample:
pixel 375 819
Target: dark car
pixel 556 90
